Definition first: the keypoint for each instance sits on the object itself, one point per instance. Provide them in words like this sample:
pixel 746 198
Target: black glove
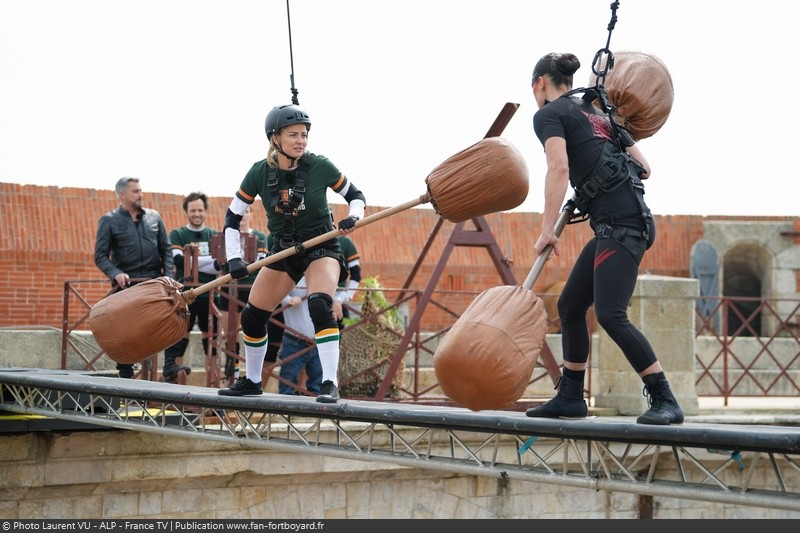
pixel 348 223
pixel 178 260
pixel 237 268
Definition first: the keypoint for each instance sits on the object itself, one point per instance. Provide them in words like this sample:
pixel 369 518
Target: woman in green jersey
pixel 293 186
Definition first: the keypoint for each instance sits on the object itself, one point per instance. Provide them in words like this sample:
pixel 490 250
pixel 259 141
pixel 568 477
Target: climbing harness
pixel 615 166
pixel 288 204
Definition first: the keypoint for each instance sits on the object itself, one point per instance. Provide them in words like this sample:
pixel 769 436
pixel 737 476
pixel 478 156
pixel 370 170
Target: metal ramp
pixel 705 462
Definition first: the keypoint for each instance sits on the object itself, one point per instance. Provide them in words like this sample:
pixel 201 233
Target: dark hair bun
pixel 568 64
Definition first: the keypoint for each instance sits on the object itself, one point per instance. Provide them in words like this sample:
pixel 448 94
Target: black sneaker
pixel 328 393
pixel 242 387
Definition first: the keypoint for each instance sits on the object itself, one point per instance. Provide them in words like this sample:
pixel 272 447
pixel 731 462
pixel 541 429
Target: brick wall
pixel 48 235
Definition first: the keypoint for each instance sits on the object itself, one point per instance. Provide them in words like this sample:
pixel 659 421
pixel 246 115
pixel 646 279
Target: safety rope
pixel 295 101
pixel 598 57
pixel 602 64
pixel 621 136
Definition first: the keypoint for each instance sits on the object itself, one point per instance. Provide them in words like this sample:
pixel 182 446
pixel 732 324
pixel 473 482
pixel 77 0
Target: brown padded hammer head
pixel 133 324
pixel 489 176
pixel 486 359
pixel 640 86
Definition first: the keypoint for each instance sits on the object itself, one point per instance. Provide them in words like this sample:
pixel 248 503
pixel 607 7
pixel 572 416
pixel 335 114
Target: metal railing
pixel 745 347
pixel 733 464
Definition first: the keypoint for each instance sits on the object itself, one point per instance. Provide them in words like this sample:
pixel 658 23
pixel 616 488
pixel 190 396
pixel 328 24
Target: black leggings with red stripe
pixel 604 275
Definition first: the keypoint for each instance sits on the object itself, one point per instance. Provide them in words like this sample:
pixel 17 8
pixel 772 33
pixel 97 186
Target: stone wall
pixel 114 474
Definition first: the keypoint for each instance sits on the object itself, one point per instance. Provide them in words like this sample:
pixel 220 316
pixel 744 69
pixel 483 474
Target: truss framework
pixel 706 462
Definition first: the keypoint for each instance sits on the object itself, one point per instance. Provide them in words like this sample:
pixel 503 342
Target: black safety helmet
pixel 285 115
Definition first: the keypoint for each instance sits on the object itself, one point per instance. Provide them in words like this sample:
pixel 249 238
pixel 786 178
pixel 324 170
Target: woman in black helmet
pixel 583 150
pixel 292 184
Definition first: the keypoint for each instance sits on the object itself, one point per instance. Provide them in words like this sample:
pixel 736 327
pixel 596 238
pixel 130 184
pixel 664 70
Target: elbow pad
pixel 354 194
pixel 355 273
pixel 356 200
pixel 233 237
pixel 232 220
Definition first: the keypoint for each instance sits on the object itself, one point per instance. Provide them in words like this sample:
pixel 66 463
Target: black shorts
pixel 297 264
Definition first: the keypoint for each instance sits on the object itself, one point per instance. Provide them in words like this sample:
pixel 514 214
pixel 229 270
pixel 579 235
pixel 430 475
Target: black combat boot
pixel 171 368
pixel 568 403
pixel 125 371
pixel 664 409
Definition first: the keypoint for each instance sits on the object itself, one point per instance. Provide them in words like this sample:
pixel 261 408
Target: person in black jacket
pixel 132 244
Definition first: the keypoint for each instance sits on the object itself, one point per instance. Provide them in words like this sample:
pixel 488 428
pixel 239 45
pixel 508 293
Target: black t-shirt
pixel 586 129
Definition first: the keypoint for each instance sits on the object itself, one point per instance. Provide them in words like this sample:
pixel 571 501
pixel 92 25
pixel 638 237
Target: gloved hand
pixel 348 223
pixel 237 268
pixel 178 260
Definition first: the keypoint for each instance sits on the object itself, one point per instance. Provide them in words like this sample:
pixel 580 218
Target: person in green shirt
pixel 293 185
pixel 194 233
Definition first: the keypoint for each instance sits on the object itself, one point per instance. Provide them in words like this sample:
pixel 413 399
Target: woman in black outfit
pixel 584 150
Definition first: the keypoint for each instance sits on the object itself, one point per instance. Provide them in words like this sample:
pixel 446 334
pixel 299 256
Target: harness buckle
pixel 603 231
pixel 287 241
pixel 588 190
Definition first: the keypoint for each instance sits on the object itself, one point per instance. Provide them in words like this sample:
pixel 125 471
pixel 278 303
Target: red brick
pixel 48 236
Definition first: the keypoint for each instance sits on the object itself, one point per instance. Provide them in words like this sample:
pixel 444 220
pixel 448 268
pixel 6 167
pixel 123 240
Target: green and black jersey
pixel 180 237
pixel 313 213
pixel 349 251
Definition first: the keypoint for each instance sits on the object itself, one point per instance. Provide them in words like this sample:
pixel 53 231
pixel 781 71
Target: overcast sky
pixel 175 92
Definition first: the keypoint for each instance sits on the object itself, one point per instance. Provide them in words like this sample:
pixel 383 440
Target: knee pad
pixel 320 309
pixel 254 321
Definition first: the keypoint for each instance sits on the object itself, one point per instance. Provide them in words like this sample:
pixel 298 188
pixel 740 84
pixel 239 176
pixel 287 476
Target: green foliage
pixel 373 301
